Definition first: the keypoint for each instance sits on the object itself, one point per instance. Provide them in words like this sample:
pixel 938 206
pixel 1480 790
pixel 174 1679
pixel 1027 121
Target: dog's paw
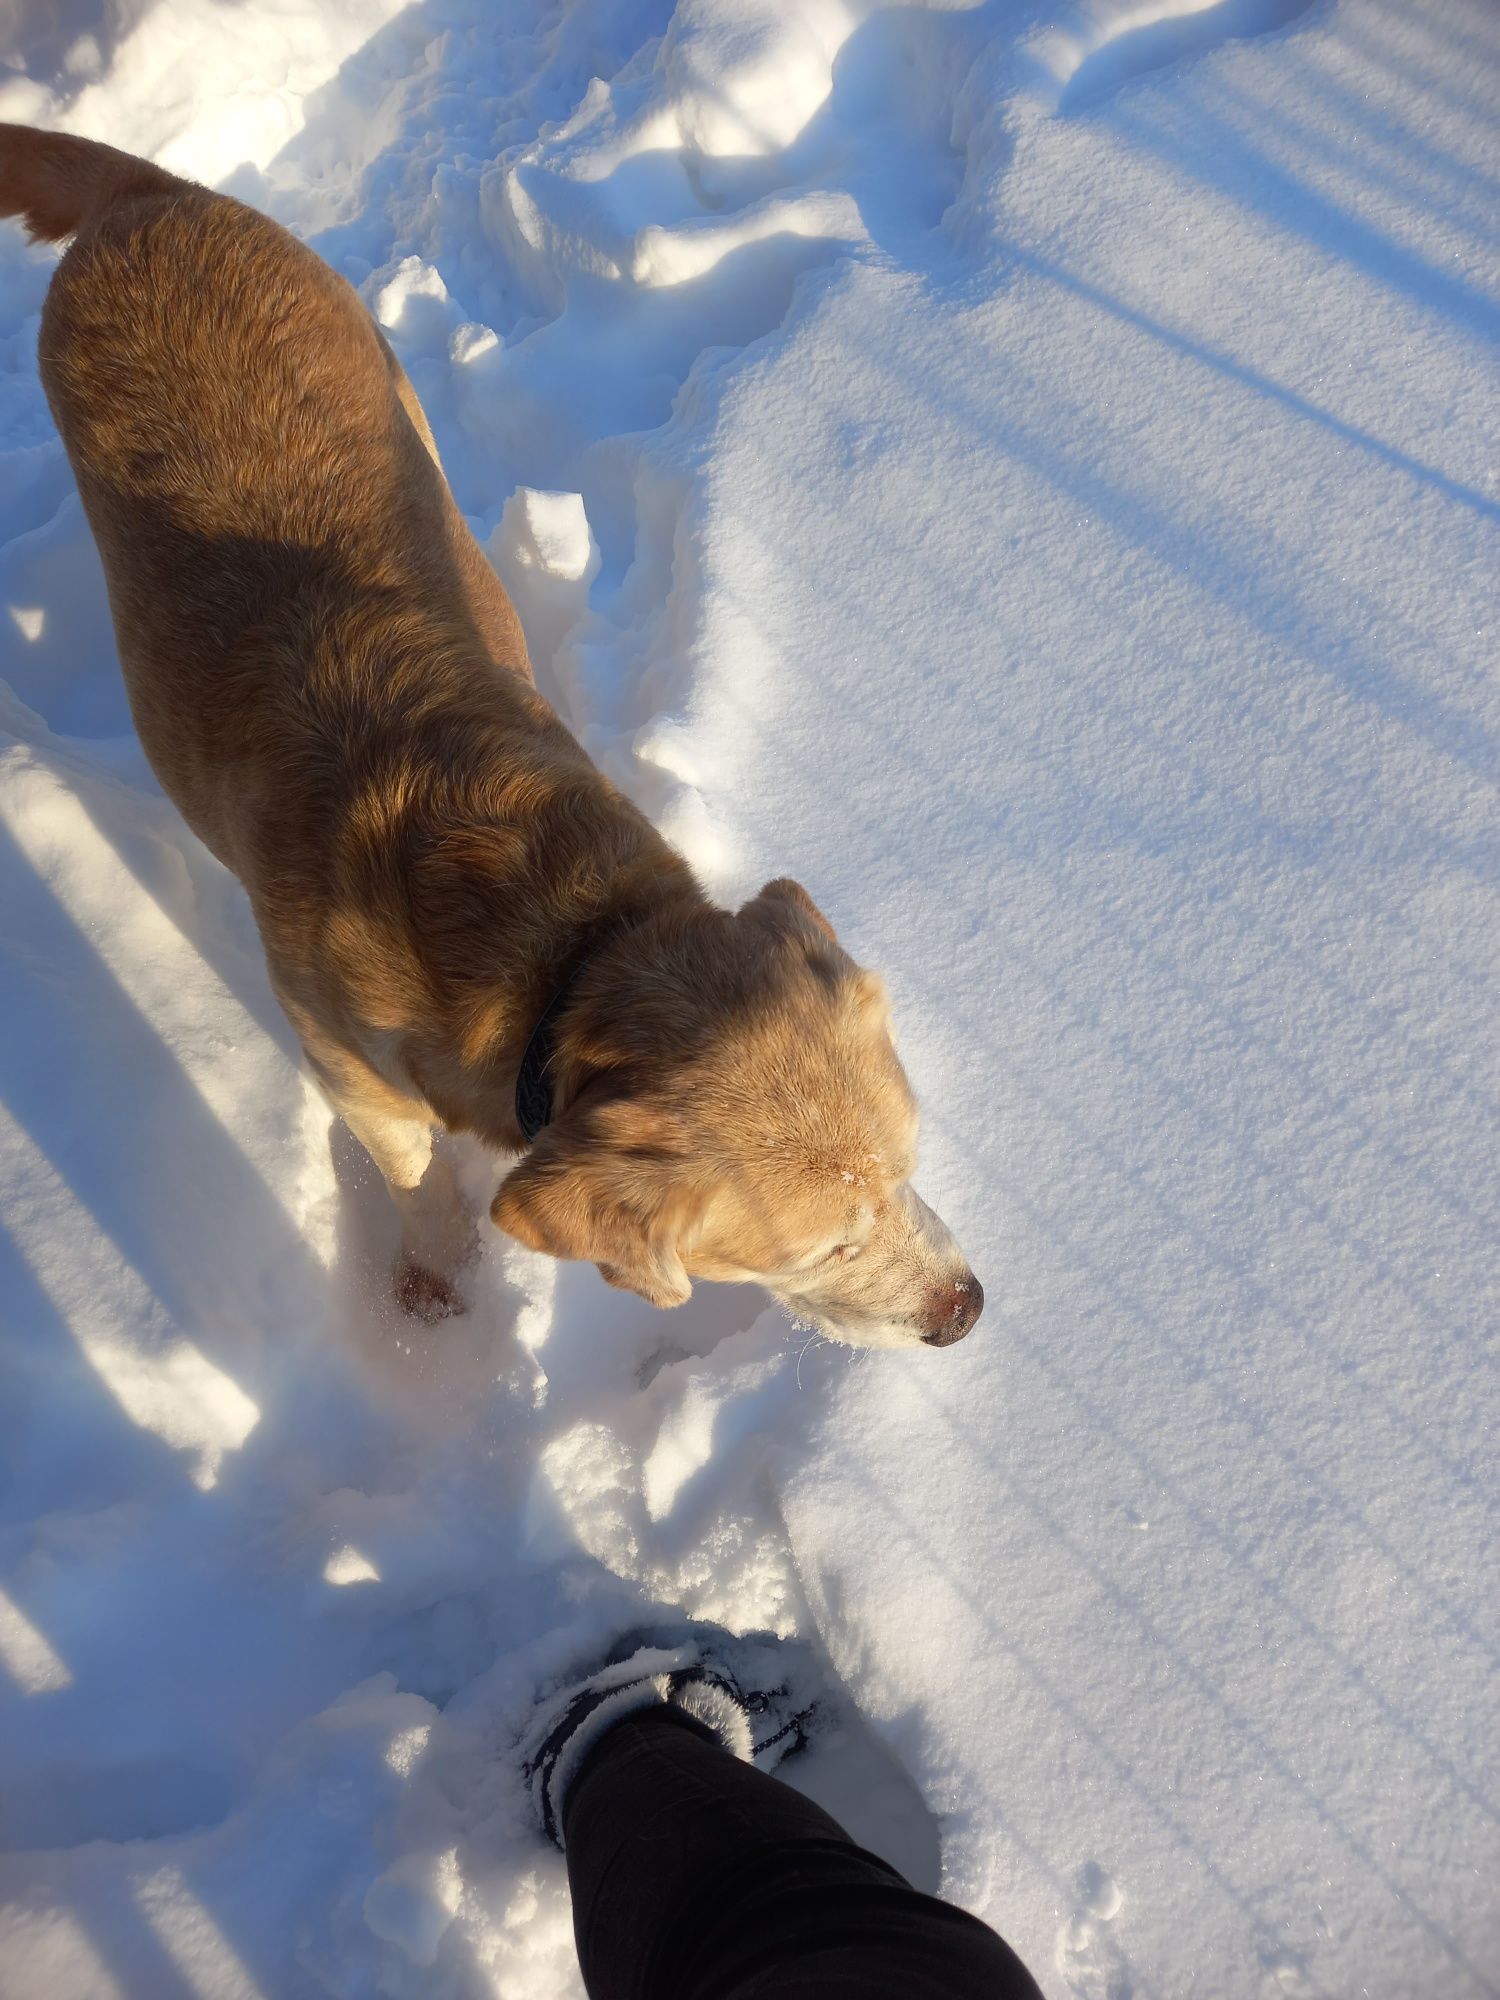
pixel 426 1295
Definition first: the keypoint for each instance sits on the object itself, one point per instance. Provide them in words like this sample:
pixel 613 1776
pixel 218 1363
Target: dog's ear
pixel 784 891
pixel 600 1186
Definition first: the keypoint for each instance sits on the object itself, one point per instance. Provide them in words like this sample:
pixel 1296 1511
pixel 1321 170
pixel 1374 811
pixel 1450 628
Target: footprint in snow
pixel 1088 1956
pixel 1285 1976
pixel 1146 40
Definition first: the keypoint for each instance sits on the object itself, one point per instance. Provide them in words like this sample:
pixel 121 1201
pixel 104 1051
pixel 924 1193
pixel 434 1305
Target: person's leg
pixel 698 1877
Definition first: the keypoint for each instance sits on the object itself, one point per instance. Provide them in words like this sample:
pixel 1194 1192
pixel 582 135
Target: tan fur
pixel 333 687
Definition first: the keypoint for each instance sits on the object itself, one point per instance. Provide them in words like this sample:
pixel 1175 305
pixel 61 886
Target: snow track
pixel 1027 470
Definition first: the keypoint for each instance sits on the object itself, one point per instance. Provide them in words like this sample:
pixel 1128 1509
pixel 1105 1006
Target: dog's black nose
pixel 959 1308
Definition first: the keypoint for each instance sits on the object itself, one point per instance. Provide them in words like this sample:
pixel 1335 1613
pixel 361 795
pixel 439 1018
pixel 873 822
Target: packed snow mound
pixel 1027 471
pixel 201 87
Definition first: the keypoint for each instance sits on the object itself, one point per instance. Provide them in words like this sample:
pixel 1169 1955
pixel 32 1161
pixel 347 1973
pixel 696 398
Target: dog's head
pixel 743 1117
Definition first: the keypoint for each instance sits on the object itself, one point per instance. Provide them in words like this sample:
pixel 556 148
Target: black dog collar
pixel 533 1102
pixel 533 1085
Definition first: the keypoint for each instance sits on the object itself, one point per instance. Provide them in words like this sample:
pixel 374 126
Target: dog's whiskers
pixel 808 1343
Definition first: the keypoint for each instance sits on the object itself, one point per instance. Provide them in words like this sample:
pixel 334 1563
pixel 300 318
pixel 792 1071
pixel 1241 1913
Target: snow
pixel 1030 472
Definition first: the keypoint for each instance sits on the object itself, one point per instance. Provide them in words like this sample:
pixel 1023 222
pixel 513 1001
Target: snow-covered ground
pixel 1032 471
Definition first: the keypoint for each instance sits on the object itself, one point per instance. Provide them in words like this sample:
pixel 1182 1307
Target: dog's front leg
pixel 438 1236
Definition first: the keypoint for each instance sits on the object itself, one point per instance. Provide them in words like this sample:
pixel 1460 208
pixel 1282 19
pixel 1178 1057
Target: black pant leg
pixel 697 1877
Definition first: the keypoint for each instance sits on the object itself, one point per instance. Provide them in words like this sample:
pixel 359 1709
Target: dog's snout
pixel 958 1308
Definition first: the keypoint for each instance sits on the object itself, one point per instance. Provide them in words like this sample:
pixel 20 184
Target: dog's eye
pixel 839 1253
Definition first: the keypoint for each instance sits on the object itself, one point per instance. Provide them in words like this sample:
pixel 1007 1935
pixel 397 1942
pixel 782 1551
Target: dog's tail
pixel 56 183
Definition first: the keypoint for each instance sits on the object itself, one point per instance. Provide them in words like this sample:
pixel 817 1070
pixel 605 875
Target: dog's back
pixel 256 469
pixel 317 655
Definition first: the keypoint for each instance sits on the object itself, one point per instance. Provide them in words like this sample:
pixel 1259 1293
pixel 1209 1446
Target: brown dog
pixel 463 920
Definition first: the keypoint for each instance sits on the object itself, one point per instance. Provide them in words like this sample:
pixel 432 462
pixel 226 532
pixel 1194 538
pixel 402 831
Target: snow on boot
pixel 757 1696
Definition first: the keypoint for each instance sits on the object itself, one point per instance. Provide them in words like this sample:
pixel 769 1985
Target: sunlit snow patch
pixel 59 1950
pixel 192 1940
pixel 406 1747
pixel 189 84
pixel 163 1384
pixel 347 1566
pixel 26 1656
